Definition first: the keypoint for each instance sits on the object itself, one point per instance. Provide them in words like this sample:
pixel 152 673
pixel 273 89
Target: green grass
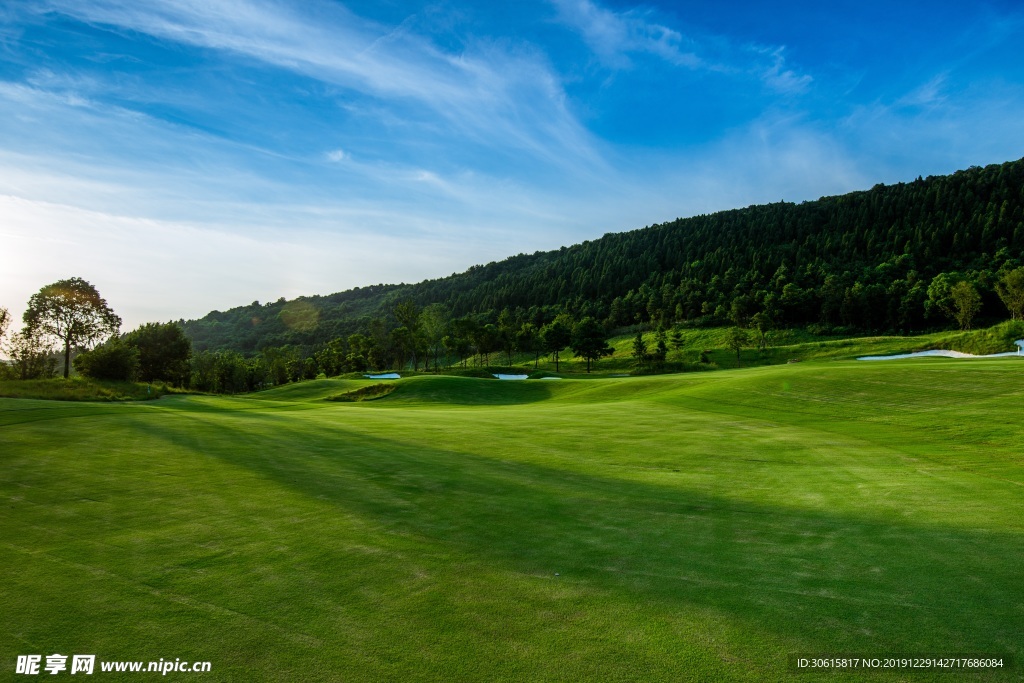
pixel 784 346
pixel 995 339
pixel 694 527
pixel 82 389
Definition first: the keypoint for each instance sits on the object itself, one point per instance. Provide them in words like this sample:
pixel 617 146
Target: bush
pixel 114 361
pixel 80 389
pixel 164 352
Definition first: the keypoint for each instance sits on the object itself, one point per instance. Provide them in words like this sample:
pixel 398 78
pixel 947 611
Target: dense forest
pixel 934 253
pixel 881 260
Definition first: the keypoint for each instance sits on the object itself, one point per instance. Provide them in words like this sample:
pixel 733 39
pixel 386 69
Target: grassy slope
pixel 702 527
pixel 81 389
pixel 784 345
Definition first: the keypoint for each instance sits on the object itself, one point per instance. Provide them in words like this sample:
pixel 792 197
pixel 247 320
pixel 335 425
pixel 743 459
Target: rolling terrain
pixel 707 526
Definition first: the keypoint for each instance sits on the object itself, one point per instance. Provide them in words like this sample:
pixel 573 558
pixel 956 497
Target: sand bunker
pixel 942 353
pixel 386 375
pixel 500 376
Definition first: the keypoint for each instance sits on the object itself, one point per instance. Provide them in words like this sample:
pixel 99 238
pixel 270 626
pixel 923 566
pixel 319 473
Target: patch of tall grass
pixel 83 389
pixel 996 339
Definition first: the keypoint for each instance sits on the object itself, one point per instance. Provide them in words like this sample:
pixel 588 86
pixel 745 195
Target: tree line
pixel 70 316
pixel 881 260
pixel 937 252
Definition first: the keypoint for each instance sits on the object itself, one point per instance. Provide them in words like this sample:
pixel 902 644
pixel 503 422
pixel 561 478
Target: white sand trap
pixel 551 378
pixel 386 375
pixel 500 376
pixel 942 353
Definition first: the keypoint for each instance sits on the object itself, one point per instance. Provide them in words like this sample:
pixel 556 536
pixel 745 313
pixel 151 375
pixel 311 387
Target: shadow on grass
pixel 829 581
pixel 465 391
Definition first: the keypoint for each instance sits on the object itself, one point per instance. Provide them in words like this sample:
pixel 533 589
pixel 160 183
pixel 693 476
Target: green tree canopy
pixel 434 321
pixel 966 303
pixel 528 341
pixel 639 348
pixel 30 355
pixel 736 340
pixel 763 323
pixel 676 340
pixel 73 312
pixel 590 341
pixel 114 360
pixel 863 260
pixel 556 336
pixel 1011 290
pixel 164 352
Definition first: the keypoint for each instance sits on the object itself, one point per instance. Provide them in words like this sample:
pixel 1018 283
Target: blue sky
pixel 190 155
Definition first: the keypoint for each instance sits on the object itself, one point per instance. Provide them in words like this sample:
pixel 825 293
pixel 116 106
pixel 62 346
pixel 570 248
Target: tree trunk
pixel 67 357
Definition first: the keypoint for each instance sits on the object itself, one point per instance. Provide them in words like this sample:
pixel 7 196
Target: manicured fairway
pixel 685 528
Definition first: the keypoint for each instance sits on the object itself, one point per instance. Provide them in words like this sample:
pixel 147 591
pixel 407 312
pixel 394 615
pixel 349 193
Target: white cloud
pixel 780 78
pixel 172 221
pixel 927 94
pixel 497 97
pixel 613 36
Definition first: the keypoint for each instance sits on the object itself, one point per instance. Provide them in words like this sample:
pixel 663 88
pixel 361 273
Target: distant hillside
pixel 863 260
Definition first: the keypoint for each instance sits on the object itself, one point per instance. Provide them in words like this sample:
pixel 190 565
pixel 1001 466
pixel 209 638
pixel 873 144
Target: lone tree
pixel 1011 290
pixel 763 323
pixel 737 339
pixel 966 303
pixel 676 340
pixel 639 349
pixel 660 348
pixel 73 312
pixel 589 341
pixel 528 340
pixel 556 336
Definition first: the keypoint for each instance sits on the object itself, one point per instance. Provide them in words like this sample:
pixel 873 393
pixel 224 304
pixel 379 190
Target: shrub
pixel 164 352
pixel 114 360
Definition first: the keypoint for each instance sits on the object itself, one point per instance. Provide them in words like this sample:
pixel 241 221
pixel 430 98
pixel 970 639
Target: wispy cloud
pixel 613 36
pixel 780 78
pixel 927 94
pixel 616 38
pixel 499 98
pixel 227 150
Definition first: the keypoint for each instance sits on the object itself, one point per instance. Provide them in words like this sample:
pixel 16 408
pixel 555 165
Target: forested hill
pixel 864 260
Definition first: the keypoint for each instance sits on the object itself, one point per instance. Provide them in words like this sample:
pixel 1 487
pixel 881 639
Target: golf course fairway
pixel 699 527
